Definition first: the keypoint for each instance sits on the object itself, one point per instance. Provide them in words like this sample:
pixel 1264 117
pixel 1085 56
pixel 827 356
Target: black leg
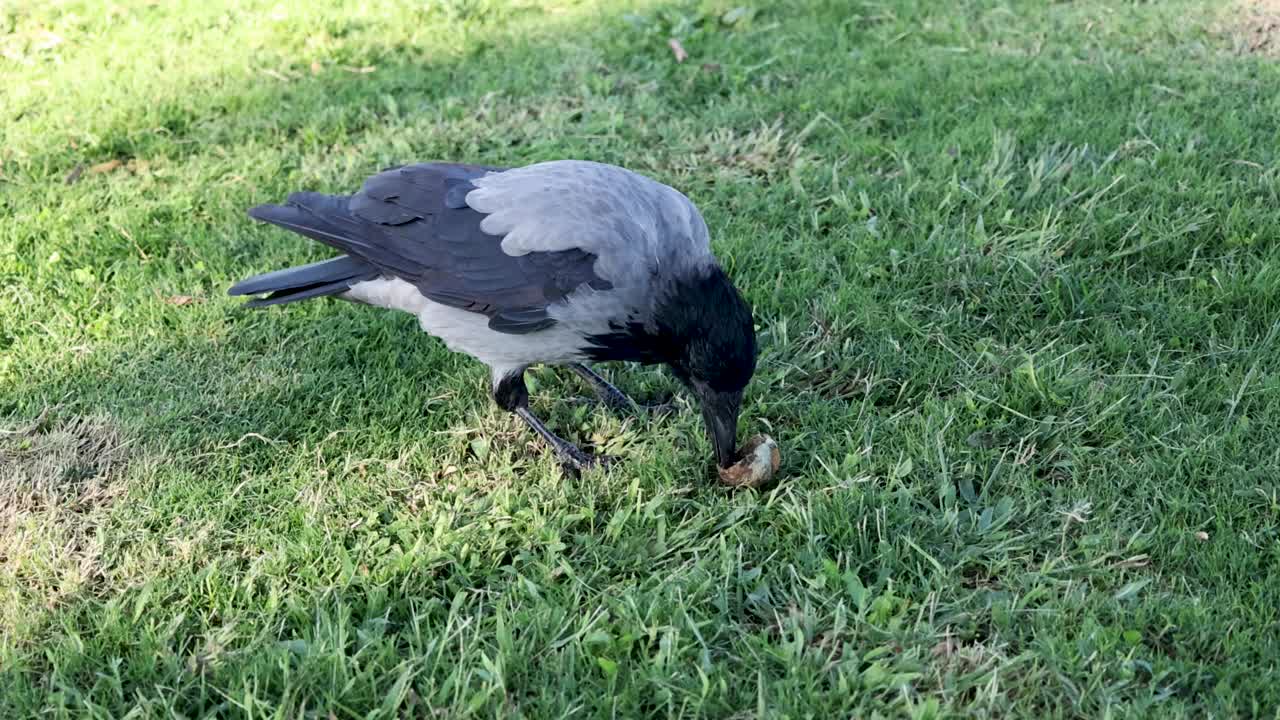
pixel 510 393
pixel 570 455
pixel 613 398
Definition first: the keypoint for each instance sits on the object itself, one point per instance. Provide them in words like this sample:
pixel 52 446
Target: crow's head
pixel 700 327
pixel 712 349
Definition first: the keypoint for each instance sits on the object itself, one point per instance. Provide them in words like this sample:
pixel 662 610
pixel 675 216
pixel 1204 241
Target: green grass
pixel 1016 272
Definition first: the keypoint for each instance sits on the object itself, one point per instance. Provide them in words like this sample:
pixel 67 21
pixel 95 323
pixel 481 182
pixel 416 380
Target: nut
pixel 758 460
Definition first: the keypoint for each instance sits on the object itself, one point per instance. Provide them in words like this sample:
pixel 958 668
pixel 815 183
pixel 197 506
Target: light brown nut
pixel 758 460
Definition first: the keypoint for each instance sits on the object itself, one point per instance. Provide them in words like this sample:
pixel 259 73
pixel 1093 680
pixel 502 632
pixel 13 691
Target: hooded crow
pixel 565 262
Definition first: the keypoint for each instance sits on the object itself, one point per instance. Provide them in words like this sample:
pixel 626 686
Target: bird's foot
pixel 659 408
pixel 617 401
pixel 574 460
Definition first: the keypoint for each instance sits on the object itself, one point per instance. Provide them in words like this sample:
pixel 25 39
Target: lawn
pixel 1017 281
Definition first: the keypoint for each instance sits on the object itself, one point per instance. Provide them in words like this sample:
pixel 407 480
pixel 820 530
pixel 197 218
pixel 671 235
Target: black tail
pixel 325 218
pixel 319 217
pixel 327 277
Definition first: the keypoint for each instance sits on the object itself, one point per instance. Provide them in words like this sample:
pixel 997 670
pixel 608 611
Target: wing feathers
pixel 414 223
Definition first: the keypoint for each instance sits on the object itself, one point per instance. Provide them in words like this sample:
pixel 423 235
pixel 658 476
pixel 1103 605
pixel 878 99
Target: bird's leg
pixel 613 398
pixel 571 456
pixel 510 393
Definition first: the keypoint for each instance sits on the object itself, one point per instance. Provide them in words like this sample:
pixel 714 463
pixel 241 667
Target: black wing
pixel 413 222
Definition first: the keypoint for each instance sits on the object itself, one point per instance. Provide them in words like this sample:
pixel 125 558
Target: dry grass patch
pixel 767 151
pixel 57 479
pixel 1254 27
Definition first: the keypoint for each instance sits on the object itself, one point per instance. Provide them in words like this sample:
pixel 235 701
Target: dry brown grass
pixel 1254 27
pixel 57 479
pixel 767 151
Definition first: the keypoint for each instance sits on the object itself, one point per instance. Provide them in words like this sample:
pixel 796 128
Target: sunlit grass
pixel 1014 266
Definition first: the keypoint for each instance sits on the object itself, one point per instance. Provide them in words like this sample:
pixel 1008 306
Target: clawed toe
pixel 575 461
pixel 658 409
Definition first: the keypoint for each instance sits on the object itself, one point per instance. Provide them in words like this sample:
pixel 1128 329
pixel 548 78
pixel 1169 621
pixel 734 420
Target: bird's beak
pixel 720 413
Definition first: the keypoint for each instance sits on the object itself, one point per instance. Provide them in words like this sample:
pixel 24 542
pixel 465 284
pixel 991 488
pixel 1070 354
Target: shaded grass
pixel 1015 270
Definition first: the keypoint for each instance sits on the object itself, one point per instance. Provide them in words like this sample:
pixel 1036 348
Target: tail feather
pixel 324 218
pixel 327 277
pixel 329 219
